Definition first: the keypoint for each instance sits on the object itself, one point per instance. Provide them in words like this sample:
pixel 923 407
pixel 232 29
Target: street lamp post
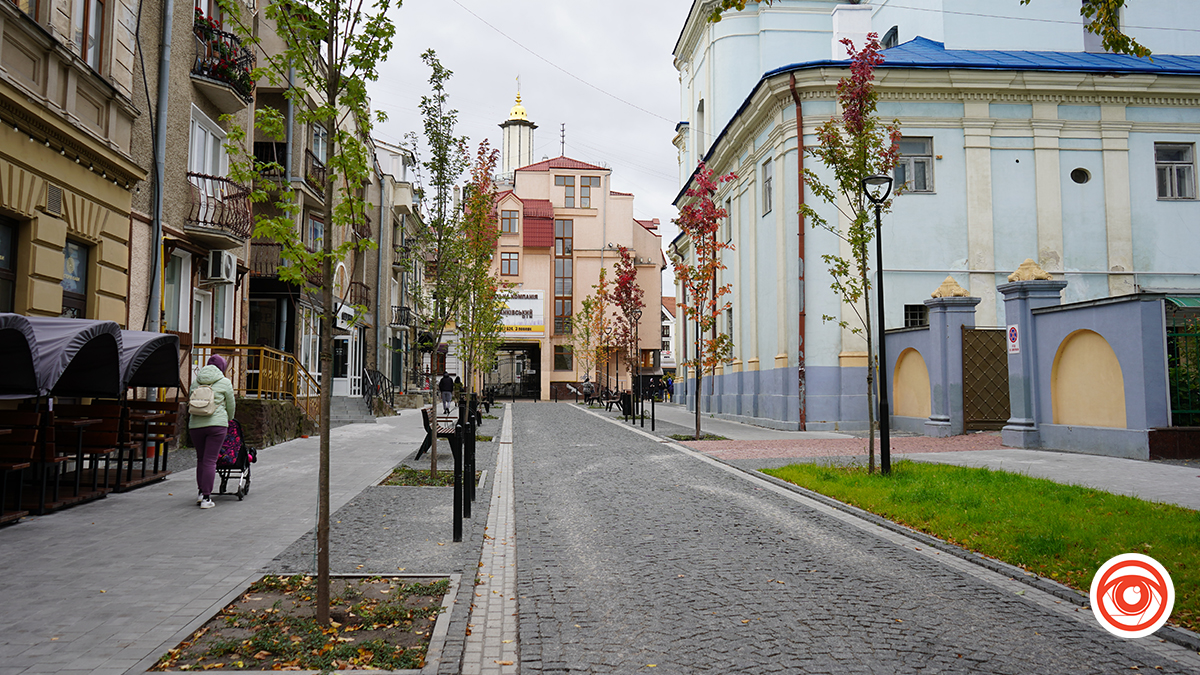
pixel 883 187
pixel 637 347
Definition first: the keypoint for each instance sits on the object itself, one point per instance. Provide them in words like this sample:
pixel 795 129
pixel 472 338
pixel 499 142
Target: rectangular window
pixel 568 185
pixel 586 183
pixel 316 231
pixel 508 222
pixel 729 322
pixel 206 153
pixel 8 265
pixel 1174 168
pixel 727 221
pixel 563 357
pixel 75 279
pixel 914 169
pixel 564 233
pixel 916 316
pixel 89 30
pixel 768 177
pixel 666 346
pixel 222 311
pixel 320 145
pixel 508 264
pixel 172 276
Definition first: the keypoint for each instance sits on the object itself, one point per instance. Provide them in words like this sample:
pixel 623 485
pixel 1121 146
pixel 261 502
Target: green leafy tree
pixel 586 335
pixel 854 147
pixel 439 247
pixel 1104 15
pixel 698 221
pixel 479 313
pixel 331 51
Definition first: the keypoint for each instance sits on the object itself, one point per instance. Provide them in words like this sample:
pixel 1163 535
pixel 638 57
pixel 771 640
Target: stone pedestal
pixel 947 316
pixel 1020 299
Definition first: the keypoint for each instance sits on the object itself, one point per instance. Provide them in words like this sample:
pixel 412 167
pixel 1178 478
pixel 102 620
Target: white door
pixel 356 362
pixel 201 317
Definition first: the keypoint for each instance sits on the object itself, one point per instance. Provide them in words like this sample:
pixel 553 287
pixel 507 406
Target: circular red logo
pixel 1132 595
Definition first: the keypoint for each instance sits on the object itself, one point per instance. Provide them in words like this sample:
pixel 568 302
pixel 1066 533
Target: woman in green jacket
pixel 208 431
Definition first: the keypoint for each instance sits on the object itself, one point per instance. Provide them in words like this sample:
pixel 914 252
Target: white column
pixel 1046 130
pixel 1118 216
pixel 781 276
pixel 981 252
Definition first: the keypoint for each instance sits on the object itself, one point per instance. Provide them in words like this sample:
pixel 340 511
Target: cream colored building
pixel 560 223
pixel 67 111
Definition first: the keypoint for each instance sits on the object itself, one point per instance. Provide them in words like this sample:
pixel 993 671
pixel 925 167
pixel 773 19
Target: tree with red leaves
pixel 854 147
pixel 627 296
pixel 699 221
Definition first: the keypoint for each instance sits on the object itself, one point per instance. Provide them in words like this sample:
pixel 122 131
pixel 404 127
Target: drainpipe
pixel 380 332
pixel 291 119
pixel 800 253
pixel 160 155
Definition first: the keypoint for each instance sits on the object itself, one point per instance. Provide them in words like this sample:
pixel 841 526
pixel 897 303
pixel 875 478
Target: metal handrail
pixel 377 385
pixel 222 57
pixel 314 171
pixel 401 315
pixel 266 374
pixel 360 293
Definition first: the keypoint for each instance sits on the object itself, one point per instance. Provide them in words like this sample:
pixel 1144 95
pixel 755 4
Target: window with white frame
pixel 727 222
pixel 206 150
pixel 223 302
pixel 914 168
pixel 1174 169
pixel 320 144
pixel 768 177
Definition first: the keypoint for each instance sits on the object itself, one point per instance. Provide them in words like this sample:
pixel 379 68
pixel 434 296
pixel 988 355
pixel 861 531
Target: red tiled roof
pixel 620 194
pixel 668 302
pixel 648 224
pixel 561 163
pixel 538 208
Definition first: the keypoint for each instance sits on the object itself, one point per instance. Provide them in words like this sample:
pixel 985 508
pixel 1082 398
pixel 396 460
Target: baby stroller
pixel 234 462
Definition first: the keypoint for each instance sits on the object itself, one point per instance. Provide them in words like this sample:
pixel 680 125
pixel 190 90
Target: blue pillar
pixel 947 316
pixel 1020 299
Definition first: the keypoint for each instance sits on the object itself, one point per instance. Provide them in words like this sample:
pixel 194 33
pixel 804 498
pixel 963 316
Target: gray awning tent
pixel 77 357
pixel 149 359
pixel 82 358
pixel 18 344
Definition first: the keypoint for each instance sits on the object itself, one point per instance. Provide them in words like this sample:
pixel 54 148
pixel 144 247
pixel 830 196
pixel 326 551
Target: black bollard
pixel 651 414
pixel 456 448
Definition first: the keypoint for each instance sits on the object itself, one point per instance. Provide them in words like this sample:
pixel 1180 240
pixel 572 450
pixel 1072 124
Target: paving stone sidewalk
pixel 107 587
pixel 636 555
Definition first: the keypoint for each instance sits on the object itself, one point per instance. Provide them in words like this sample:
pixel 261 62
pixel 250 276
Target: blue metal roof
pixel 925 53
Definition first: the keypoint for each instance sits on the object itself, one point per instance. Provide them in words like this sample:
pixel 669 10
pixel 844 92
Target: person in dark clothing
pixel 446 387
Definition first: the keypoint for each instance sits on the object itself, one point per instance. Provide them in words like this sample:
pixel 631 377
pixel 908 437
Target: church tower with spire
pixel 517 147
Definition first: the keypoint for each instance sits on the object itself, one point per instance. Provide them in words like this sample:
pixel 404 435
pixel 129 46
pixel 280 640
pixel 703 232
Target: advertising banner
pixel 524 313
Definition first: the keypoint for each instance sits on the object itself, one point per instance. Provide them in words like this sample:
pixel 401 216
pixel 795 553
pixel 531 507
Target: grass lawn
pixel 1057 531
pixel 703 437
pixel 408 476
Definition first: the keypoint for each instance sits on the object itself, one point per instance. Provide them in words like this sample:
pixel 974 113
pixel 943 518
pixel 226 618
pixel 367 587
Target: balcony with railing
pixel 402 316
pixel 220 210
pixel 270 152
pixel 359 293
pixel 222 66
pixel 315 172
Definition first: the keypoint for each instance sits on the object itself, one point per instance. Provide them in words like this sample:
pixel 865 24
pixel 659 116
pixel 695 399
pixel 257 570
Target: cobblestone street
pixel 636 555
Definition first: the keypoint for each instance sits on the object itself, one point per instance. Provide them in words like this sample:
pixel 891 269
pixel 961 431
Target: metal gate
pixel 985 378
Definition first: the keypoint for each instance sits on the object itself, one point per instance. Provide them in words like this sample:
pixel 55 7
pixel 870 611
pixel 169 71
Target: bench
pixel 8 468
pixel 610 400
pixel 445 429
pixel 94 432
pixel 31 440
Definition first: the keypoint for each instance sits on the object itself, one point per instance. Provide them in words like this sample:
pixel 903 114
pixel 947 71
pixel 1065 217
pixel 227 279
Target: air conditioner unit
pixel 222 267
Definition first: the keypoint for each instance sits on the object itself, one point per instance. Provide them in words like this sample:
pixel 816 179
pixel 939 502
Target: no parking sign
pixel 1014 340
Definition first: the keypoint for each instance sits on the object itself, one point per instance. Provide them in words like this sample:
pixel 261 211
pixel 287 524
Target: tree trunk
pixel 699 380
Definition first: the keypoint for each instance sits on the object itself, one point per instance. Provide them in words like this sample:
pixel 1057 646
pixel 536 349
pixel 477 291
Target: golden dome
pixel 518 111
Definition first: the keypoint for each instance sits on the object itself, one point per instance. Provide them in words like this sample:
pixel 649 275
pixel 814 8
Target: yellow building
pixel 66 170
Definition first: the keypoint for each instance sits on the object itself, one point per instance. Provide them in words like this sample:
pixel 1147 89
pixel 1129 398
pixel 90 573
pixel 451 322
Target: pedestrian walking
pixel 446 387
pixel 671 389
pixel 210 407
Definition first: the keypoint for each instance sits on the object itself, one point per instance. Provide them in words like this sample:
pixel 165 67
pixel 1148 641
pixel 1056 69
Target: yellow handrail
pixel 267 374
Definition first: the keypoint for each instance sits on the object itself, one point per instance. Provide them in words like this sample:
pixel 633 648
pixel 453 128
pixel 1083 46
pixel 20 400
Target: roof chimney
pixel 853 22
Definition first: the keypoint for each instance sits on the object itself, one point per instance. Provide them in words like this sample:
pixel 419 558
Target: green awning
pixel 1185 302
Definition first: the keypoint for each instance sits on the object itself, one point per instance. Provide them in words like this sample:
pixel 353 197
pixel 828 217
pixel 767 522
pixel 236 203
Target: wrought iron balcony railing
pixel 220 204
pixel 269 152
pixel 360 293
pixel 315 172
pixel 220 56
pixel 401 316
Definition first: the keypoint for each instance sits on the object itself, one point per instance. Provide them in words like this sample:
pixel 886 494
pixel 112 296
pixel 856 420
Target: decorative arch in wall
pixel 1086 385
pixel 910 385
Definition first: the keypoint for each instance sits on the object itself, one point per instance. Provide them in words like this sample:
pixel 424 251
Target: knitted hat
pixel 218 361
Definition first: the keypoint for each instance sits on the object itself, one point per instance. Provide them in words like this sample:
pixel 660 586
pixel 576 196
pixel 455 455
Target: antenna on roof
pixel 563 140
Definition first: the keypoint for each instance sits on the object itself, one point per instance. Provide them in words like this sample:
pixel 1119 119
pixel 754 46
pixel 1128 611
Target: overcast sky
pixel 603 69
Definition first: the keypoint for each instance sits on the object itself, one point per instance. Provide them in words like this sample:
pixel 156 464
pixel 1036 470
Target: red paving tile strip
pixel 831 447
